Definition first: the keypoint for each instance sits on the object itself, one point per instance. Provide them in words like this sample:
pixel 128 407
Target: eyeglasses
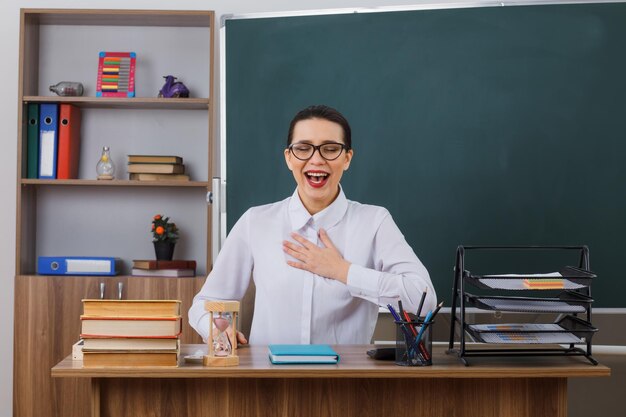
pixel 329 151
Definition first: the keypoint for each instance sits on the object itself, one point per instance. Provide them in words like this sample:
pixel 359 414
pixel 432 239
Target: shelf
pixel 116 183
pixel 125 103
pixel 86 17
pixel 25 276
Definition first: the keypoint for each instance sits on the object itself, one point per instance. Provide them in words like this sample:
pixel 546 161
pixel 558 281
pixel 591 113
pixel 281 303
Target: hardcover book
pixel 109 359
pixel 153 264
pixel 129 343
pixel 131 308
pixel 177 272
pixel 129 326
pixel 156 168
pixel 302 354
pixel 158 177
pixel 154 159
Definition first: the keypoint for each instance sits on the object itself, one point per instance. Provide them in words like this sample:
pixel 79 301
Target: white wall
pixel 9 22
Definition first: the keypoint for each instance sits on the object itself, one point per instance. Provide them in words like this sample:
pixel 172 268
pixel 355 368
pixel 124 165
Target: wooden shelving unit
pixel 47 308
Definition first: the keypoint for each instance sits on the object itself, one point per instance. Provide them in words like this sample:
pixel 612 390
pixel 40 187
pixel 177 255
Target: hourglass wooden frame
pixel 225 306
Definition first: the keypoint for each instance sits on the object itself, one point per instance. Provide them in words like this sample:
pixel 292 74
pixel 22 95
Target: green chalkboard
pixel 483 126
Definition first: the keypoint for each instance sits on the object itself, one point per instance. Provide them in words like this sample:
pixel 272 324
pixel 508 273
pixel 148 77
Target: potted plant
pixel 164 237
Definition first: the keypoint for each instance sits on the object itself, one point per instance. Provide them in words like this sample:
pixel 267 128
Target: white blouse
pixel 298 307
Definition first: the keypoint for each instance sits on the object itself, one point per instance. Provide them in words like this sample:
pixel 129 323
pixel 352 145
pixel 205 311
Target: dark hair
pixel 326 113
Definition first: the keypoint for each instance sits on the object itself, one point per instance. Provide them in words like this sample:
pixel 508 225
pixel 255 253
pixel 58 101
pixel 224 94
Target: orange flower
pixel 157 217
pixel 160 230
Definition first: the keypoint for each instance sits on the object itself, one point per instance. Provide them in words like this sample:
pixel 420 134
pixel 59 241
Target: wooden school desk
pixel 357 386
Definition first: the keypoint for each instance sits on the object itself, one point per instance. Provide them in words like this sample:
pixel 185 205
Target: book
pixel 129 326
pixel 292 354
pixel 154 159
pixel 154 264
pixel 131 308
pixel 156 168
pixel 142 176
pixel 128 343
pixel 147 358
pixel 179 272
pixel 157 264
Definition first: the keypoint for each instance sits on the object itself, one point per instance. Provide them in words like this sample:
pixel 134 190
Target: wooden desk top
pixel 354 363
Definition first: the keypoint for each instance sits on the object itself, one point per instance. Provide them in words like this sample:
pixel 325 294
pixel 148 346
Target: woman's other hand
pixel 241 338
pixel 324 261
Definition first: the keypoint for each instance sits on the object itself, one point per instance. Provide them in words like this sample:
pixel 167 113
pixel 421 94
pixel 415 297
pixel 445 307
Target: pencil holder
pixel 413 343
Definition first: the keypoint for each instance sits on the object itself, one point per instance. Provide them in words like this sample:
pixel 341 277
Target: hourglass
pixel 222 347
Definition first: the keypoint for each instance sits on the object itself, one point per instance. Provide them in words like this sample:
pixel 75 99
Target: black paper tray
pixel 567 302
pixel 568 330
pixel 573 278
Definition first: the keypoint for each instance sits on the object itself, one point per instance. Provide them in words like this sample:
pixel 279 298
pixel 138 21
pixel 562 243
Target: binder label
pixel 46 168
pixel 88 266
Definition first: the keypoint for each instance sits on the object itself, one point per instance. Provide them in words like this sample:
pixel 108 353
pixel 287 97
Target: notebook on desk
pixel 302 354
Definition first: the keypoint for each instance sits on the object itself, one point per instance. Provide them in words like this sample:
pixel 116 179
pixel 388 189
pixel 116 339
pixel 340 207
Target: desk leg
pixel 95 397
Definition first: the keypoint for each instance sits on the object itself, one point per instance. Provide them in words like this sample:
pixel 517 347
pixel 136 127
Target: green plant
pixel 163 230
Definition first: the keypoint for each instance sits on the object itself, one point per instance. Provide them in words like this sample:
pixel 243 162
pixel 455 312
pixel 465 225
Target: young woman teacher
pixel 322 264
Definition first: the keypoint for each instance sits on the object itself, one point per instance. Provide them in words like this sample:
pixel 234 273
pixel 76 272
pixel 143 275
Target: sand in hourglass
pixel 221 344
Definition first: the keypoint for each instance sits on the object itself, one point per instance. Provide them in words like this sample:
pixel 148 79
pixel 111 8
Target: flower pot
pixel 164 250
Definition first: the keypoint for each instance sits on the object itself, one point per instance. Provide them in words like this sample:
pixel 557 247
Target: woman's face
pixel 317 178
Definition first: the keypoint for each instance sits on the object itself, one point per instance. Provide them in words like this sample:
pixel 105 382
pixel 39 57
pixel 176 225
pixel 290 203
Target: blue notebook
pixel 293 354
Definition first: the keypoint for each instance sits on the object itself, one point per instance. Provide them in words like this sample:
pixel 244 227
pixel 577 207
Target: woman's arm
pixel 397 274
pixel 229 278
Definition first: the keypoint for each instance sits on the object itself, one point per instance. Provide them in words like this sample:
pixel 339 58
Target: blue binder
pixel 48 140
pixel 77 265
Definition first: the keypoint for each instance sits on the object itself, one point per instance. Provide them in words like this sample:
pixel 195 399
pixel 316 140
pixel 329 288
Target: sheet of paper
pixel 518 284
pixel 530 305
pixel 530 338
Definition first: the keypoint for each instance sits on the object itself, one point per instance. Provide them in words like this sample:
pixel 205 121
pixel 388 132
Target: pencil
pixel 400 309
pixel 419 309
pixel 436 311
pixel 408 319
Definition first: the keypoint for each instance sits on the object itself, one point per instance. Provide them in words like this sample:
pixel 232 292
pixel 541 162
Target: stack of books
pixel 156 168
pixel 175 268
pixel 130 333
